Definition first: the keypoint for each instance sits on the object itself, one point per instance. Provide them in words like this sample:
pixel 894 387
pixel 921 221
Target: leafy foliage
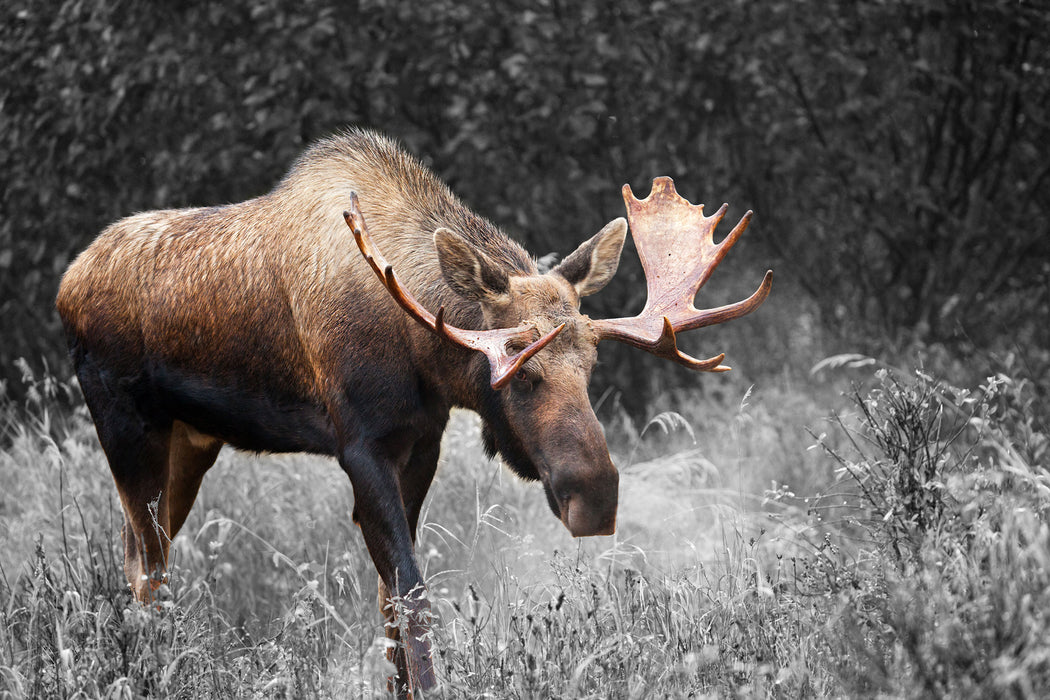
pixel 924 179
pixel 951 601
pixel 894 151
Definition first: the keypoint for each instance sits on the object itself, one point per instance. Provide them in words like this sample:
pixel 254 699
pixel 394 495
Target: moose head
pixel 541 350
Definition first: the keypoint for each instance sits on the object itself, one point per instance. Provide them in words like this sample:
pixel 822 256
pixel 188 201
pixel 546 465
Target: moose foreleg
pixel 388 536
pixel 414 479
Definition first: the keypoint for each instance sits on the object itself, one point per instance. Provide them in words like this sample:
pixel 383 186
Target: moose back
pixel 345 313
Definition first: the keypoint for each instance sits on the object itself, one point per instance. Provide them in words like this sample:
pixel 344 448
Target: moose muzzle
pixel 585 519
pixel 587 506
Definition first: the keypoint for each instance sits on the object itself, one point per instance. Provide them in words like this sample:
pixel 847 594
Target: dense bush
pixel 894 152
pixel 945 592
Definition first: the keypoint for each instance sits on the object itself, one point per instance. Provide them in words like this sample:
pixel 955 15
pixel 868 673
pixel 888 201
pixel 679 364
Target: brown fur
pixel 260 325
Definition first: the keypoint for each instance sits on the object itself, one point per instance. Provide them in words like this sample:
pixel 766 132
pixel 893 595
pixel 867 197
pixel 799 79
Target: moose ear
pixel 592 265
pixel 467 271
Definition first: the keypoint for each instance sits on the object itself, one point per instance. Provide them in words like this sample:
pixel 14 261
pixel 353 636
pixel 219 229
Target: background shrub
pixel 894 152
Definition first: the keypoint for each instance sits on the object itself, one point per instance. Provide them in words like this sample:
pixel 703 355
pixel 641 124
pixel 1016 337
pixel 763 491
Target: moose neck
pixel 403 205
pixel 465 373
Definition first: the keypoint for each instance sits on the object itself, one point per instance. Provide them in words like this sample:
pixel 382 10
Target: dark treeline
pixel 895 152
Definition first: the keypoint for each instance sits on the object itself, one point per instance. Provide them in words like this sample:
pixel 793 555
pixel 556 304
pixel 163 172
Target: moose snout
pixel 585 520
pixel 588 506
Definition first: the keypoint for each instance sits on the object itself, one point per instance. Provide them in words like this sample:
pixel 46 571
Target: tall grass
pixel 904 554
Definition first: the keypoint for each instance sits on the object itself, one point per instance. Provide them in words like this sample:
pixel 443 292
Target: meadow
pixel 810 525
pixel 858 531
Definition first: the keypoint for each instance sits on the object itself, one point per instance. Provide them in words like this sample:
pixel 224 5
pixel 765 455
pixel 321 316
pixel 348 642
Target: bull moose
pixel 262 325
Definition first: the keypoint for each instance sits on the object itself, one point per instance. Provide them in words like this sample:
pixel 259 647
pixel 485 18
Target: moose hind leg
pixel 139 463
pixel 191 455
pixel 136 446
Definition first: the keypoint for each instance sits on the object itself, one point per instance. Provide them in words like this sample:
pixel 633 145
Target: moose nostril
pixel 584 519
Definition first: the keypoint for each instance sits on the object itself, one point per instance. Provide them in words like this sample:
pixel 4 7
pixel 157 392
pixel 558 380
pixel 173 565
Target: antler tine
pixel 503 368
pixel 709 234
pixel 667 348
pixel 734 235
pixel 665 227
pixel 492 342
pixel 665 345
pixel 721 314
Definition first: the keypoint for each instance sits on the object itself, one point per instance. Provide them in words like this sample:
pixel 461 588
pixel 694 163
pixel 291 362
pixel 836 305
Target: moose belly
pixel 259 419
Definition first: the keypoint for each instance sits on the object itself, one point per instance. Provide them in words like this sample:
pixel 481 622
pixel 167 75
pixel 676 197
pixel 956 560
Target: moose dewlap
pixel 345 313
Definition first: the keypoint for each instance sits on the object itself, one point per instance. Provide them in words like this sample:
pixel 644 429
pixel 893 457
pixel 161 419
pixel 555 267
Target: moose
pixel 264 326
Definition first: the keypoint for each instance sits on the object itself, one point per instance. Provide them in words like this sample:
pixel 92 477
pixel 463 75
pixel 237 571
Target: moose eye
pixel 524 381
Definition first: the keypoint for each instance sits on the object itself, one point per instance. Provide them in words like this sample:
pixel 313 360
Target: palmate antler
pixel 493 342
pixel 665 227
